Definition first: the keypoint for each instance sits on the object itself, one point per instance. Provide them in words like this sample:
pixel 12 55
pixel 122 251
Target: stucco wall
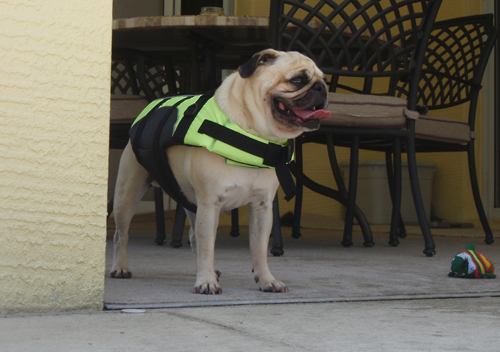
pixel 54 123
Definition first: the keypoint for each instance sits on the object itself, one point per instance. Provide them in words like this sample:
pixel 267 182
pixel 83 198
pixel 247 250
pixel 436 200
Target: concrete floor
pixel 376 299
pixel 410 325
pixel 316 268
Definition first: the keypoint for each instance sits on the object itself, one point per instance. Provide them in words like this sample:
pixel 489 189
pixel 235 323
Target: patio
pixel 316 268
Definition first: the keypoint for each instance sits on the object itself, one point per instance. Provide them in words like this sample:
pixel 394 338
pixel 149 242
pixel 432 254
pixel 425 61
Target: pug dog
pixel 275 96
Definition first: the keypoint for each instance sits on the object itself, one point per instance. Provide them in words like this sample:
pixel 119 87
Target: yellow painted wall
pixel 251 8
pixel 54 118
pixel 452 197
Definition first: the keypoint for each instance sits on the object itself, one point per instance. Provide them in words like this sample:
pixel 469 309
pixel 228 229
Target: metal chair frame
pixel 452 72
pixel 371 40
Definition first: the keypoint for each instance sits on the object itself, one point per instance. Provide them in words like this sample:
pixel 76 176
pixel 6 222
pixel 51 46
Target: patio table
pixel 225 40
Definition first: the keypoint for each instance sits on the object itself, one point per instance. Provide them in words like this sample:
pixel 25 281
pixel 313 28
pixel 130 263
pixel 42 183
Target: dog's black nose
pixel 319 87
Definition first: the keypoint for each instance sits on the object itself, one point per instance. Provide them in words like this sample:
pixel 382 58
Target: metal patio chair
pixel 362 47
pixel 452 72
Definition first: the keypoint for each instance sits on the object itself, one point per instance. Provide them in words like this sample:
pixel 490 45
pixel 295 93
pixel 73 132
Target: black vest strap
pixel 273 154
pixel 149 148
pixel 189 115
pixel 161 159
pixel 286 180
pixel 135 137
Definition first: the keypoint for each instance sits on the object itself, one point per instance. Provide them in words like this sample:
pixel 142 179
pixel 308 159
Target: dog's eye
pixel 298 81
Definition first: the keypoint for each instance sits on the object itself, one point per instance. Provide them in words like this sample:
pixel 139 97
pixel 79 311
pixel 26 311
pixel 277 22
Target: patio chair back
pixel 351 38
pixel 123 77
pixel 157 76
pixel 454 63
pixel 363 47
pixel 453 68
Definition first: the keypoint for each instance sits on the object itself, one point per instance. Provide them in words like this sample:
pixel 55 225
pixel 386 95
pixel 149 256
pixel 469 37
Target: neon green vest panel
pixel 210 111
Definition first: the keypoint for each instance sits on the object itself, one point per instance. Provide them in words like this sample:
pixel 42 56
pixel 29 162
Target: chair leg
pixel 351 194
pixel 110 206
pixel 395 189
pixel 195 64
pixel 170 76
pixel 398 175
pixel 208 77
pixel 297 212
pixel 335 194
pixel 429 249
pixel 235 223
pixel 277 248
pixel 390 178
pixel 476 194
pixel 178 229
pixel 332 157
pixel 342 190
pixel 160 217
pixel 393 234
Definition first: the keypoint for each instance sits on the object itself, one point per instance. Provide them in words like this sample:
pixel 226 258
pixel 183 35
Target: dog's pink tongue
pixel 312 114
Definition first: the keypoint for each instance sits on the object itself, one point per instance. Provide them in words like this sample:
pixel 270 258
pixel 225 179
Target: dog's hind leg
pixel 260 224
pixel 131 184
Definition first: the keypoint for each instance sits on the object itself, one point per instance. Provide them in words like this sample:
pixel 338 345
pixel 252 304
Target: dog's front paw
pixel 208 289
pixel 272 285
pixel 120 274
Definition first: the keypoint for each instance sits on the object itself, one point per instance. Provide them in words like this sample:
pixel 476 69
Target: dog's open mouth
pixel 304 114
pixel 309 117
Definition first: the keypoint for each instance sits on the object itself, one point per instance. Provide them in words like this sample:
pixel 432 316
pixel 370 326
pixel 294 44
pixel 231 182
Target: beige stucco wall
pixel 54 118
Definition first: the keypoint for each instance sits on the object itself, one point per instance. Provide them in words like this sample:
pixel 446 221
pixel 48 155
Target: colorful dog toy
pixel 470 264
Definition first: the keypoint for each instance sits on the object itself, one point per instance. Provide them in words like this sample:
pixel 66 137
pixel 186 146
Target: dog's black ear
pixel 266 57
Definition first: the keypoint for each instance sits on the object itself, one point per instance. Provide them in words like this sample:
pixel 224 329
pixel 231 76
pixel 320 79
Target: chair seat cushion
pixel 371 111
pixel 125 108
pixel 443 129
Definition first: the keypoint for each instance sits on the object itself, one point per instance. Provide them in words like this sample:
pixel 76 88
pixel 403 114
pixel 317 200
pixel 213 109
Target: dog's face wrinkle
pixel 295 92
pixel 308 101
pixel 300 80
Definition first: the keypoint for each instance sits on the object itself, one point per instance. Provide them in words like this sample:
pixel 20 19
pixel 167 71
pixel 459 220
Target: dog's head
pixel 279 95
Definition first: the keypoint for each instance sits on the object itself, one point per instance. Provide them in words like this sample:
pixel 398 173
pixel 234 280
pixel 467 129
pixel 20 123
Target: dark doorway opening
pixel 193 7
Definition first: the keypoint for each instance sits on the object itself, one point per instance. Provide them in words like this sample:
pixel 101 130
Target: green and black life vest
pixel 196 120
